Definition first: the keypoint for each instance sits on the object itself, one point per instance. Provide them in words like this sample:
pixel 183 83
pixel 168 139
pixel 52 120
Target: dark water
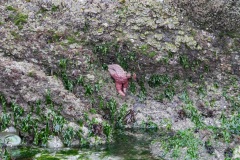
pixel 127 145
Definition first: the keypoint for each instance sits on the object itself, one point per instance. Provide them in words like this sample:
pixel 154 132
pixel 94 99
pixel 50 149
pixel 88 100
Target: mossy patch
pixel 54 8
pixel 68 152
pixel 25 153
pixel 11 8
pixel 185 138
pixel 19 19
pixel 47 157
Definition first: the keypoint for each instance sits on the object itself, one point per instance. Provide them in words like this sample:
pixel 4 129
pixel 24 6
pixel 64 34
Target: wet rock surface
pixel 56 52
pixel 212 15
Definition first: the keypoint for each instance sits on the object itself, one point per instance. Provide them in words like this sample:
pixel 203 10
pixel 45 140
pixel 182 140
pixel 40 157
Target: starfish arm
pixel 119 88
pixel 125 85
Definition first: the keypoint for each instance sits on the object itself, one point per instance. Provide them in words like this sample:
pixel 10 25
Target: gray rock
pixel 10 139
pixel 10 129
pixel 54 142
pixel 236 153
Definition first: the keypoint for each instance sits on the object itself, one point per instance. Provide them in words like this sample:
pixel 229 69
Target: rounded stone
pixel 54 142
pixel 10 139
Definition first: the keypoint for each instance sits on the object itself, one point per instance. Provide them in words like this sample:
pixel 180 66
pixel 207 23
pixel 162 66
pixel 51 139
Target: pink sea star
pixel 121 78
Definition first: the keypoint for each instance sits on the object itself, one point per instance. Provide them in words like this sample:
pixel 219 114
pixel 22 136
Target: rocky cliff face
pixel 53 58
pixel 212 15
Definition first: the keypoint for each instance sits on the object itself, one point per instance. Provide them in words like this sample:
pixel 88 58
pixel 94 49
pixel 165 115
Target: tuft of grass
pixel 132 87
pixel 56 37
pixel 167 123
pixel 112 106
pixel 152 54
pixel 149 125
pixel 143 92
pixel 88 89
pixel 184 61
pixel 3 103
pixel 191 111
pixel 206 68
pixel 17 111
pixel 72 40
pixel 230 126
pixel 63 63
pixel 42 10
pixel 54 8
pixel 38 108
pixel 97 86
pixel 144 48
pixel 93 111
pixel 102 49
pixel 11 8
pixel 182 139
pixel 15 34
pixel 193 33
pixel 194 115
pixel 124 61
pixel 157 80
pixel 26 123
pixel 195 64
pixel 80 80
pixel 107 130
pixel 121 115
pixel 48 97
pixel 170 54
pixel 116 53
pixel 201 91
pixel 168 93
pixel 67 82
pixel 20 19
pixel 5 120
pixel 86 27
pixel 68 136
pixel 57 122
pixel 159 97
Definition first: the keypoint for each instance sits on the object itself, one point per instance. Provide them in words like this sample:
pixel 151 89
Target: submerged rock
pixel 10 139
pixel 54 142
